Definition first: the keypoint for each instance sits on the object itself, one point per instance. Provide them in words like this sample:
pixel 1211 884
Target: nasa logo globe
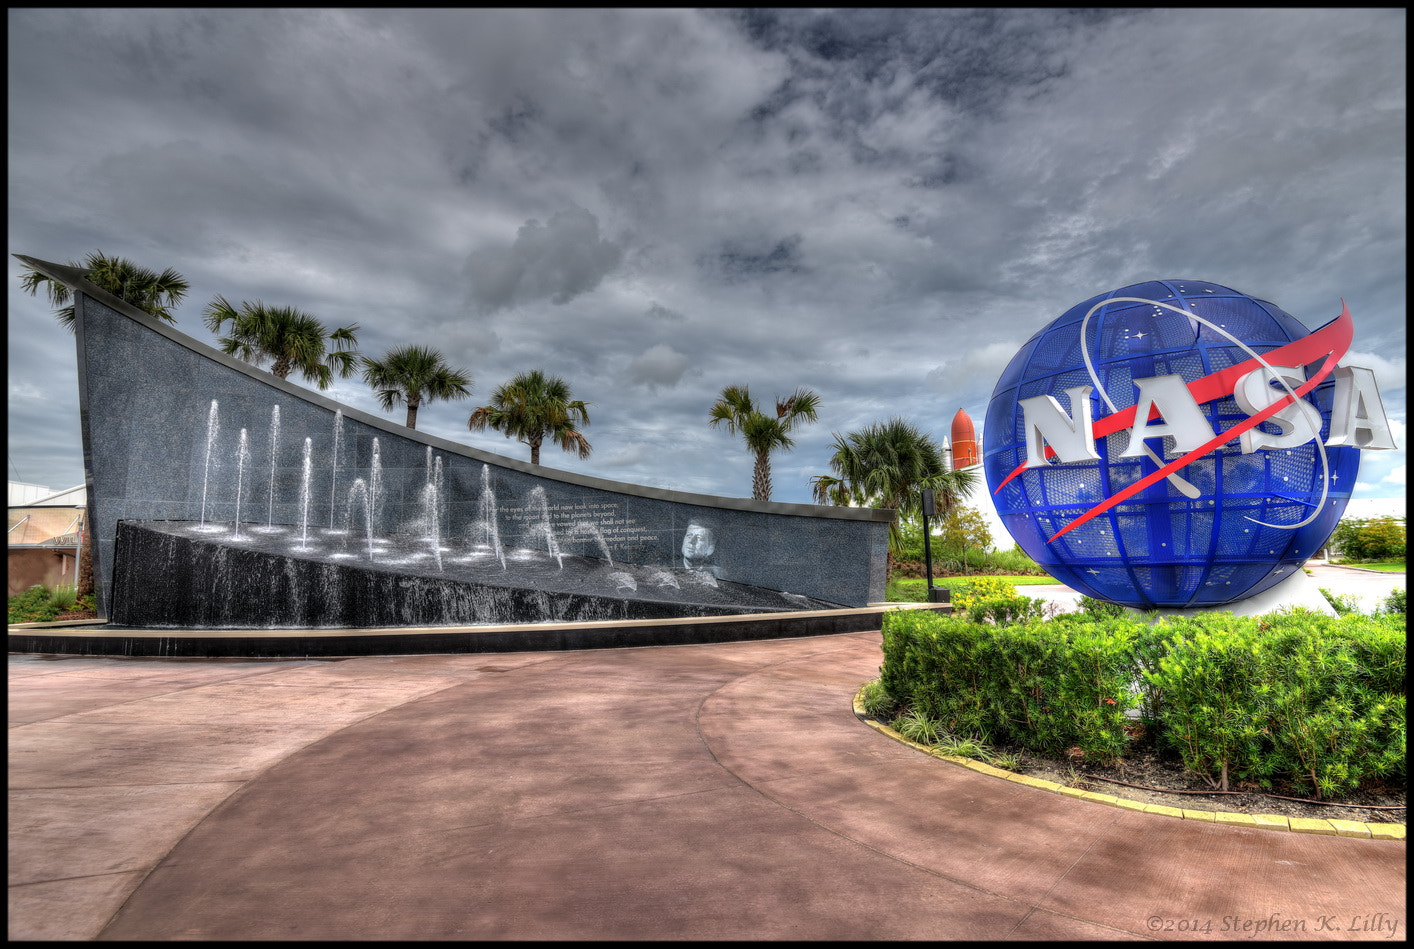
pixel 1178 444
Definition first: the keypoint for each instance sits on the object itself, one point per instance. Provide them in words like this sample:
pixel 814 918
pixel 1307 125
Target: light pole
pixel 934 595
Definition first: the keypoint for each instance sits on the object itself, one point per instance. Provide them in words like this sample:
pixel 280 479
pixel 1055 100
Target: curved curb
pixel 1296 825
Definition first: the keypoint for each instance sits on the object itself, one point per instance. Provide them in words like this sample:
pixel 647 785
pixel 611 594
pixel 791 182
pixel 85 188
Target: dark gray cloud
pixel 881 205
pixel 556 261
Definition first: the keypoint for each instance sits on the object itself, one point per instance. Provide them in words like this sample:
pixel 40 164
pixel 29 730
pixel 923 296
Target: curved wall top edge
pixel 76 281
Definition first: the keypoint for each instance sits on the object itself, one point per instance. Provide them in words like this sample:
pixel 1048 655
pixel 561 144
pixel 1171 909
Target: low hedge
pixel 1295 698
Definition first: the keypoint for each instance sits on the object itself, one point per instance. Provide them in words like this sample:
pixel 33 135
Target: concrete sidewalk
pixel 1370 588
pixel 721 791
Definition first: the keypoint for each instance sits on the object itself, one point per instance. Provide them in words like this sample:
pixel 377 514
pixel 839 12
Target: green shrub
pixel 1394 603
pixel 64 597
pixel 1004 610
pixel 876 699
pixel 1093 606
pixel 1203 675
pixel 32 606
pixel 1342 603
pixel 918 726
pixel 981 588
pixel 1294 696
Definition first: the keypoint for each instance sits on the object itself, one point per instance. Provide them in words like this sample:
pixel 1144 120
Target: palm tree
pixel 291 339
pixel 532 407
pixel 153 293
pixel 887 465
pixel 414 375
pixel 763 433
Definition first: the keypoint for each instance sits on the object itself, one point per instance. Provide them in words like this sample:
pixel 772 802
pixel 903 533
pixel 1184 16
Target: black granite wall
pixel 148 395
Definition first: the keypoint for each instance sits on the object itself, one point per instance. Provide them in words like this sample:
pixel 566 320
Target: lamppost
pixel 942 594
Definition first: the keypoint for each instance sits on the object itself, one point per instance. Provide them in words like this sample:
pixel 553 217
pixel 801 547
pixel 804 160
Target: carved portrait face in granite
pixel 699 545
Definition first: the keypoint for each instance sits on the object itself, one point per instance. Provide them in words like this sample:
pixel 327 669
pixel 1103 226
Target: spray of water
pixel 213 426
pixel 431 515
pixel 543 527
pixel 304 495
pixel 360 501
pixel 334 463
pixel 274 451
pixel 242 459
pixel 375 486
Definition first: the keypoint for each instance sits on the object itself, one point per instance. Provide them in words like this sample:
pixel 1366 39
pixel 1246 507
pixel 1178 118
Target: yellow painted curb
pixel 1162 809
pixel 1302 825
pixel 1313 825
pixel 1350 828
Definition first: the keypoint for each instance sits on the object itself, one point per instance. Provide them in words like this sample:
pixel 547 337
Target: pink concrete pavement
pixel 720 791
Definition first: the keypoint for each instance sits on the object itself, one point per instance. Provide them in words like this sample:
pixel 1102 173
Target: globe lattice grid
pixel 1159 548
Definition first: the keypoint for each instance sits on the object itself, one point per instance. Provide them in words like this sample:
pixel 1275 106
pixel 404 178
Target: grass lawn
pixel 1388 566
pixel 915 590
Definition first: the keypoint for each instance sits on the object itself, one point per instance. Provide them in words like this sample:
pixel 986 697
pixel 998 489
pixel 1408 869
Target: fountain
pixel 274 455
pixel 540 503
pixel 334 464
pixel 213 425
pixel 432 517
pixel 589 583
pixel 242 459
pixel 486 518
pixel 359 491
pixel 164 559
pixel 375 486
pixel 304 496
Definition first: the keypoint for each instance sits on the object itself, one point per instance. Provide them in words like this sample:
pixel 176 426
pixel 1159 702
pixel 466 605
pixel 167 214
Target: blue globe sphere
pixel 1230 525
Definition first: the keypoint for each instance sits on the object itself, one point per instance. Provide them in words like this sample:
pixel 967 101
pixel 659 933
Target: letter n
pixel 1072 439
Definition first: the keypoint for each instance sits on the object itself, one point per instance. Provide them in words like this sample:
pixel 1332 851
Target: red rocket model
pixel 964 442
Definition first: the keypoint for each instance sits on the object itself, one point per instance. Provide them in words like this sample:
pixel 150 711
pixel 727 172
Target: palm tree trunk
pixel 535 450
pixel 761 478
pixel 413 402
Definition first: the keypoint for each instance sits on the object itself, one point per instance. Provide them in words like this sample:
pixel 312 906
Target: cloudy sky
pixel 881 206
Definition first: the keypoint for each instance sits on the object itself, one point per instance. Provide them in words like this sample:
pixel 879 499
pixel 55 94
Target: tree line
pixel 530 407
pixel 884 465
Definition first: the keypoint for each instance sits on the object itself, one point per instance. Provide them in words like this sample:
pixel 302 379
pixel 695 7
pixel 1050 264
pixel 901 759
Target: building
pixel 45 532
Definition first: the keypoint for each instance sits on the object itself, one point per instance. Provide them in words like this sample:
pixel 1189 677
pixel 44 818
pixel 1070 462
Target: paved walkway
pixel 721 791
pixel 1369 588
